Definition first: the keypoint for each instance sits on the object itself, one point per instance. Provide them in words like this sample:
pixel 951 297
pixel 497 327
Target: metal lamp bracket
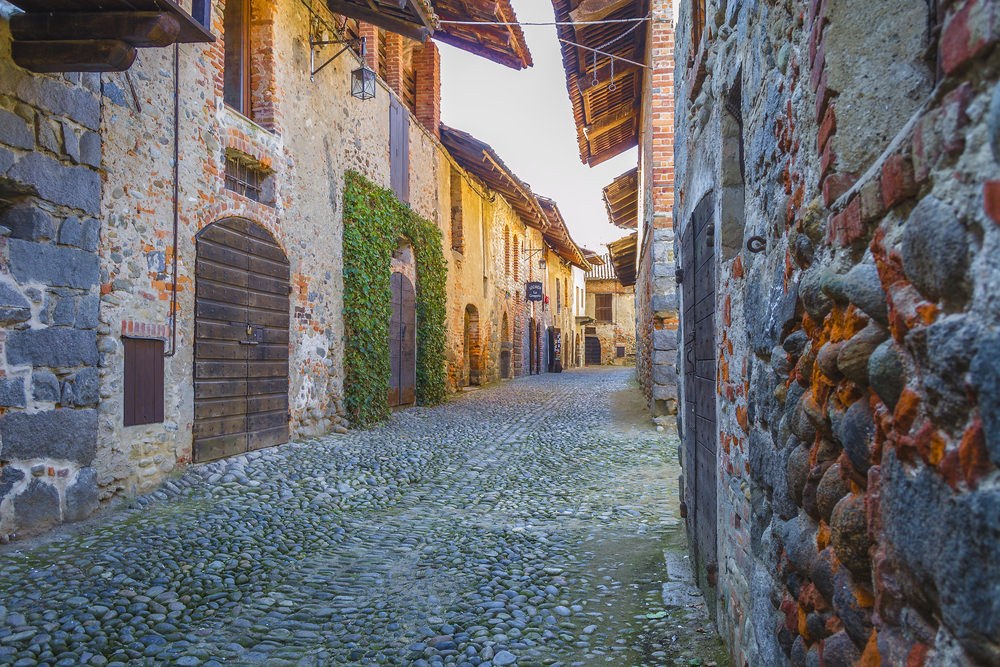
pixel 316 45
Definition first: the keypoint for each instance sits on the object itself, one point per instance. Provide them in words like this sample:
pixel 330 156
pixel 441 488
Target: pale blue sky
pixel 527 118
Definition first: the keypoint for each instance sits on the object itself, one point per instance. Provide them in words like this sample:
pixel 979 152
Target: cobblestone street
pixel 530 523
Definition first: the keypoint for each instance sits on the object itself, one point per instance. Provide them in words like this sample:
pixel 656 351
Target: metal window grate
pixel 244 179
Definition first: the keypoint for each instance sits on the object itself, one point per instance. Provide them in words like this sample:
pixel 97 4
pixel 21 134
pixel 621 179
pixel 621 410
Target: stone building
pixel 838 230
pixel 504 236
pixel 619 76
pixel 609 327
pixel 170 257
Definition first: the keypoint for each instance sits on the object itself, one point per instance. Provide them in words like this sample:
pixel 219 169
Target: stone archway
pixel 472 362
pixel 241 340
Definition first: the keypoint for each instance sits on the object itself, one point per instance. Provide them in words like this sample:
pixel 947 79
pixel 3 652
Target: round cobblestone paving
pixel 531 523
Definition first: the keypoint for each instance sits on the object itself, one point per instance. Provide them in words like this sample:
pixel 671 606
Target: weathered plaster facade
pixel 856 338
pixel 91 206
pixel 616 331
pixel 309 133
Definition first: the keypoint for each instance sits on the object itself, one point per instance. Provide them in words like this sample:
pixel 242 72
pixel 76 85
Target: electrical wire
pixel 604 53
pixel 545 23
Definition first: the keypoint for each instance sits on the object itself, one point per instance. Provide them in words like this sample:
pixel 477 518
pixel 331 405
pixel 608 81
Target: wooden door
pixel 550 350
pixel 403 343
pixel 593 350
pixel 699 423
pixel 532 347
pixel 241 341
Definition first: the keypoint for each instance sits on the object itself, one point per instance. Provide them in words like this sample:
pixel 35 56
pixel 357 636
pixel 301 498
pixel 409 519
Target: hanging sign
pixel 533 291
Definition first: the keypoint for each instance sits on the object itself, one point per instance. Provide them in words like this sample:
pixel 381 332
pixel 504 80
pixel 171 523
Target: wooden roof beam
pixel 595 10
pixel 418 32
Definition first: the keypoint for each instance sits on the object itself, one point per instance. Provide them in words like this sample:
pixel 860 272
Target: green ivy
pixel 374 223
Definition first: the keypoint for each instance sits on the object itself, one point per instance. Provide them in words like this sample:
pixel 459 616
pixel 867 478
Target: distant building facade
pixel 609 324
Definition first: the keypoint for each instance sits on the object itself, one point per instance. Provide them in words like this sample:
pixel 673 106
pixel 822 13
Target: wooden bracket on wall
pixel 104 39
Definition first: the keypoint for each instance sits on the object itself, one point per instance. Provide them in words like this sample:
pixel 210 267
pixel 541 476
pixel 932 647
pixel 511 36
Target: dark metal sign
pixel 533 291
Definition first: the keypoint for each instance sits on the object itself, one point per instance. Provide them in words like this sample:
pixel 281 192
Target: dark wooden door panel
pixel 241 340
pixel 402 342
pixel 700 392
pixel 592 346
pixel 215 426
pixel 207 389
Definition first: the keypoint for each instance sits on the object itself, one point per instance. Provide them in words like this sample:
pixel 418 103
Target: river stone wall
pixel 859 351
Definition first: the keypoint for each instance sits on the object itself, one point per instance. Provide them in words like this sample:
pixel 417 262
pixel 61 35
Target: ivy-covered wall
pixel 374 223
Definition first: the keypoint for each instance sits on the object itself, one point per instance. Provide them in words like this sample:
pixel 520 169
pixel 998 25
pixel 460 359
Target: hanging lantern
pixel 363 83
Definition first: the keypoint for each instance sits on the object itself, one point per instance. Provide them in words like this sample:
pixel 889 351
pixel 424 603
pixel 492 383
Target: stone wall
pixel 857 366
pixel 620 331
pixel 50 191
pixel 88 253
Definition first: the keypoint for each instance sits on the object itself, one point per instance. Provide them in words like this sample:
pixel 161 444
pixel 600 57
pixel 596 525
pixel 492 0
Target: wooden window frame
pixel 143 383
pixel 698 23
pixel 600 308
pixel 237 67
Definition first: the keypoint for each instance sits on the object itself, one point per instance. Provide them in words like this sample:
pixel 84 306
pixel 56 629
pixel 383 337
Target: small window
pixel 249 180
pixel 620 351
pixel 143 381
pixel 603 307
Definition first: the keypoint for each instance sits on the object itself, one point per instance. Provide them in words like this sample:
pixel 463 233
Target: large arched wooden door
pixel 403 343
pixel 241 340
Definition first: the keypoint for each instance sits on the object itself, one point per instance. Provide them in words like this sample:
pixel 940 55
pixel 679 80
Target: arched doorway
pixel 403 342
pixel 532 347
pixel 241 332
pixel 505 348
pixel 471 364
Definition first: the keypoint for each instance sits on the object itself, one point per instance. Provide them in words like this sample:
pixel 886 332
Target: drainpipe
pixel 176 205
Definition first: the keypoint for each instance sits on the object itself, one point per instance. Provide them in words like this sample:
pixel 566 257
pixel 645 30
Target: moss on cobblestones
pixel 374 223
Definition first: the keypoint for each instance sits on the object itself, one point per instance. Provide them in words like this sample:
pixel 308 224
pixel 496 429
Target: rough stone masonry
pixel 858 374
pixel 50 151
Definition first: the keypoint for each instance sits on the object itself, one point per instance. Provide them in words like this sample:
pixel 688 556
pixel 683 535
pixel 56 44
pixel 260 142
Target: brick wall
pixel 656 305
pixel 427 67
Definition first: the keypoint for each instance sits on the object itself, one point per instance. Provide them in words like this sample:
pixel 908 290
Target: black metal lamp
pixel 363 78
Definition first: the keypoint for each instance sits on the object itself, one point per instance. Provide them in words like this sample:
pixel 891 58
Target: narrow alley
pixel 531 522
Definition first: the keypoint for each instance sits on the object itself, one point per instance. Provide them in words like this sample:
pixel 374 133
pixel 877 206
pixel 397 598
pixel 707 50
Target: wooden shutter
pixel 143 381
pixel 399 149
pixel 236 69
pixel 603 308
